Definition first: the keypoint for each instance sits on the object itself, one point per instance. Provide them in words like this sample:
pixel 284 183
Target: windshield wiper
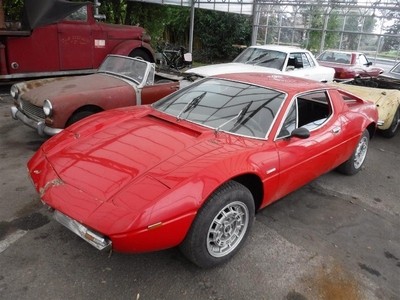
pixel 265 61
pixel 191 105
pixel 257 58
pixel 239 117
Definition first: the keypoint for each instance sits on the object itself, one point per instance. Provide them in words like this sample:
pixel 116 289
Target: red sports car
pixel 193 168
pixel 348 65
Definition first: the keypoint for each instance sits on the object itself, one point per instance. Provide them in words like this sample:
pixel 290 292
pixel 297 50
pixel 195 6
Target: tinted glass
pixel 225 105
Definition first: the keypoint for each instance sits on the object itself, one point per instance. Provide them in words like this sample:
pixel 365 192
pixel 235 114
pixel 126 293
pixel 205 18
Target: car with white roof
pixel 276 59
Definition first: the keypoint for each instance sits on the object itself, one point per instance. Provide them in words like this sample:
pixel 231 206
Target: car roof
pixel 340 51
pixel 287 49
pixel 284 83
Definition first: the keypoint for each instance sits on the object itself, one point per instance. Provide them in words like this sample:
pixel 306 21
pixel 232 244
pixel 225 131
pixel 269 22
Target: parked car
pixel 270 59
pixel 50 105
pixel 387 102
pixel 390 80
pixel 348 65
pixel 193 168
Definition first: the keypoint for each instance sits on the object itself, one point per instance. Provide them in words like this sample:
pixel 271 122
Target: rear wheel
pixel 141 54
pixel 220 227
pixel 354 164
pixel 391 131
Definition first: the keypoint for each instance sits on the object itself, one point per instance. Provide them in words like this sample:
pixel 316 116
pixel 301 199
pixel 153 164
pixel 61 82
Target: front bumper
pixel 40 126
pixel 97 240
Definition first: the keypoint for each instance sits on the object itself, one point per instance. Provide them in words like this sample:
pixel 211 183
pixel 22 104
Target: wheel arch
pixel 255 186
pixel 371 130
pixel 89 107
pixel 126 47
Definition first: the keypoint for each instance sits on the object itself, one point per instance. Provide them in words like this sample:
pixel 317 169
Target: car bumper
pixel 95 239
pixel 40 126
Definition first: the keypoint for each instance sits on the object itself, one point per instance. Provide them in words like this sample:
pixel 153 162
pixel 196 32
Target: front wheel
pixel 391 131
pixel 354 164
pixel 220 227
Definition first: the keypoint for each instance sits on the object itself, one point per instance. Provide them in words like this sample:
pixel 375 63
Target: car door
pixel 305 66
pixel 366 69
pixel 304 159
pixel 75 41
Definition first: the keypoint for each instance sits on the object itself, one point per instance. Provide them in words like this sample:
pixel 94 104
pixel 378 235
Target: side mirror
pixel 302 133
pixel 369 63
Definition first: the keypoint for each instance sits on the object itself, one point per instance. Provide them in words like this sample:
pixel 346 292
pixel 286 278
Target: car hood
pixel 119 148
pixel 36 91
pixel 230 68
pixel 389 76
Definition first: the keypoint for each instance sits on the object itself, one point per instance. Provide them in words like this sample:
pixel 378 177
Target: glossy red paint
pixel 122 171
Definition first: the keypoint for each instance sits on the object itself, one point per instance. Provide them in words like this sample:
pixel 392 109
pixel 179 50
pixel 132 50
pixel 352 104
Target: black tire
pixel 79 116
pixel 354 164
pixel 140 53
pixel 391 131
pixel 212 240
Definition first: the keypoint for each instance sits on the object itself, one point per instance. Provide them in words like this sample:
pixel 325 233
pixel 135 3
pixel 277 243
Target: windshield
pixel 336 57
pixel 396 69
pixel 224 105
pixel 127 67
pixel 262 57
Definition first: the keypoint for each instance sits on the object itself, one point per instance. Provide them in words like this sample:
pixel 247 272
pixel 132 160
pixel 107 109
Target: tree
pixel 217 31
pixel 392 42
pixel 12 9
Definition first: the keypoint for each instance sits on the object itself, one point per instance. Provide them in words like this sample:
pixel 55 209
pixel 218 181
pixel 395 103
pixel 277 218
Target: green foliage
pixel 114 10
pixel 152 17
pixel 218 31
pixel 12 9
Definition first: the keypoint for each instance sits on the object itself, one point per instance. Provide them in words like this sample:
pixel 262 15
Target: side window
pixel 290 122
pixel 79 15
pixel 296 60
pixel 362 60
pixel 310 60
pixel 309 111
pixel 306 63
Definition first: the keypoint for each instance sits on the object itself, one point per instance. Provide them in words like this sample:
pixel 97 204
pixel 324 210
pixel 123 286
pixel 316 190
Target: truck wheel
pixel 221 226
pixel 139 53
pixel 391 131
pixel 79 116
pixel 355 162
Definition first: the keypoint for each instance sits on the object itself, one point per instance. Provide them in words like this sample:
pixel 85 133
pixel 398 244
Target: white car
pixel 271 59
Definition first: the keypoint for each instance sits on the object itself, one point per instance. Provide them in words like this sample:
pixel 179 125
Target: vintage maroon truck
pixel 58 37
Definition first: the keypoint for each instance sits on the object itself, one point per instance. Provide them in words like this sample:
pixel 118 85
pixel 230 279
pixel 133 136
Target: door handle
pixel 336 130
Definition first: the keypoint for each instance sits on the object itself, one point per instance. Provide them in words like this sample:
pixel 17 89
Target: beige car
pixel 386 100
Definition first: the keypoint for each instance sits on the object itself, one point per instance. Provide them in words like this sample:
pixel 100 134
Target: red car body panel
pixel 69 47
pixel 139 176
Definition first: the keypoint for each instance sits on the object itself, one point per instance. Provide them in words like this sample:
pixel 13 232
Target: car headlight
pixel 14 92
pixel 47 108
